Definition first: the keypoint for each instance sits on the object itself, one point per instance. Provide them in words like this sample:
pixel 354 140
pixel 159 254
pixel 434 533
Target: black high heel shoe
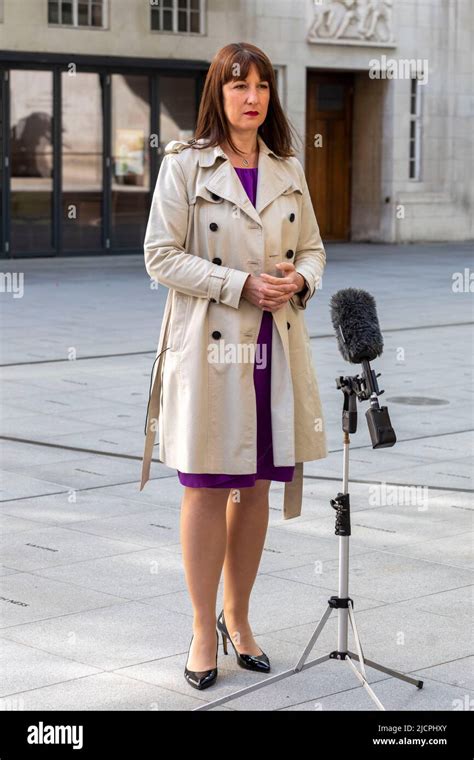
pixel 201 679
pixel 258 662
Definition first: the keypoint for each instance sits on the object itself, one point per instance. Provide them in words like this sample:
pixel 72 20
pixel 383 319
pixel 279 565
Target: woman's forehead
pixel 237 71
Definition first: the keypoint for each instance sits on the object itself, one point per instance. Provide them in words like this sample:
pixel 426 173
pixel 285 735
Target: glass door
pixel 82 161
pixel 130 175
pixel 31 161
pixel 177 97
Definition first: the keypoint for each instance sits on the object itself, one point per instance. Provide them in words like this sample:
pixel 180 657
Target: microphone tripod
pixel 382 435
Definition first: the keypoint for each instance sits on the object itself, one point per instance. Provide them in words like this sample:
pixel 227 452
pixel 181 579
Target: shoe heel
pixel 224 642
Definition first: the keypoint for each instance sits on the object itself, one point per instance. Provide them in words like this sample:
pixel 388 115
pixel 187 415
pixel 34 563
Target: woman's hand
pixel 271 293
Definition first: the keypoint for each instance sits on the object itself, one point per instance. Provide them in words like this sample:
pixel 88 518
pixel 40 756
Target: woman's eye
pixel 264 86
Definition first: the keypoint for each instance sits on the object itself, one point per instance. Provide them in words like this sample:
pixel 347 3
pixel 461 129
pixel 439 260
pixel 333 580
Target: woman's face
pixel 246 102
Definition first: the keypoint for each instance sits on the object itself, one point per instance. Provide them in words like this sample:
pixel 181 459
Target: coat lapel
pixel 272 181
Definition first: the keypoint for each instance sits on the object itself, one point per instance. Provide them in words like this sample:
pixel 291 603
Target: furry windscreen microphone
pixel 354 317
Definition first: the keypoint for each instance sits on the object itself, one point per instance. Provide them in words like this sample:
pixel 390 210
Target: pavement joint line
pixel 120 601
pixel 274 573
pixel 143 353
pixel 167 477
pixel 137 457
pixel 36 571
pixel 97 673
pixel 430 561
pixel 100 672
pixel 375 681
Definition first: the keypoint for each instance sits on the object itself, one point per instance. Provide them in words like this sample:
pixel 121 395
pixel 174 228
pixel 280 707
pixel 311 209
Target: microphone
pixel 354 318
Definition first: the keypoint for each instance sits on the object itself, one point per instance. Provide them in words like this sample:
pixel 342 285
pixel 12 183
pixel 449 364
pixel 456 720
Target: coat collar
pixel 273 179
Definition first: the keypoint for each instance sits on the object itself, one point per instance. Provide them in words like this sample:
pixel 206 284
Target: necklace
pixel 245 161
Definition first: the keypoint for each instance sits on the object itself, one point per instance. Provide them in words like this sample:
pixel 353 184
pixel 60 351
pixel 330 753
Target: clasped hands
pixel 271 293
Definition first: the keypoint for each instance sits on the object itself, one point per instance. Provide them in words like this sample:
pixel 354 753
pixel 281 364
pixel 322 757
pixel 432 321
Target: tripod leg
pixel 415 681
pixel 357 640
pixel 362 675
pixel 312 640
pixel 364 661
pixel 364 683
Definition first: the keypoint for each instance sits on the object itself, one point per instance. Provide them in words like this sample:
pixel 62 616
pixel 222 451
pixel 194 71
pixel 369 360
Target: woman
pixel 232 233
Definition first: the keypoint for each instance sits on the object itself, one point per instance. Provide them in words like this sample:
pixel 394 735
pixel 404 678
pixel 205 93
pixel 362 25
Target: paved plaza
pixel 95 613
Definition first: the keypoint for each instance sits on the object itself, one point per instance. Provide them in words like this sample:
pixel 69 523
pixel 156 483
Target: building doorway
pixel 328 155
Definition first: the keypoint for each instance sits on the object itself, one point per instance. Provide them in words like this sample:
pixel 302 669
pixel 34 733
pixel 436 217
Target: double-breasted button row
pixel 290 254
pixel 216 334
pixel 213 226
pixel 215 197
pixel 292 217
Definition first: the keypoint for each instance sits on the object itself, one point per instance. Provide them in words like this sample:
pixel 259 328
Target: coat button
pixel 215 197
pixel 213 300
pixel 217 260
pixel 289 254
pixel 213 226
pixel 292 217
pixel 216 334
pixel 288 325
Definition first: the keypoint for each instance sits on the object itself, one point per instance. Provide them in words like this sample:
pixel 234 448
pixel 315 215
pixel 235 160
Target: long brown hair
pixel 232 63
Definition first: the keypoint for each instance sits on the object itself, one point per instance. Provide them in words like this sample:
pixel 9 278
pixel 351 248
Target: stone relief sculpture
pixel 362 22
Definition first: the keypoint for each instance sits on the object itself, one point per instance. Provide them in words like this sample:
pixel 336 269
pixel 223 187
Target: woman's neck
pixel 249 147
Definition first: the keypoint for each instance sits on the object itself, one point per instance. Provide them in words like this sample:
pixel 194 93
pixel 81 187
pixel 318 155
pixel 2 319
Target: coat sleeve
pixel 310 256
pixel 166 259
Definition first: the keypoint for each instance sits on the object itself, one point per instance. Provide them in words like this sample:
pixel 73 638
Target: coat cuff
pixel 301 298
pixel 231 286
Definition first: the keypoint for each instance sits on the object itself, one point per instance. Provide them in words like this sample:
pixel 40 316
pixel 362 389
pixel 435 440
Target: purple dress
pixel 262 381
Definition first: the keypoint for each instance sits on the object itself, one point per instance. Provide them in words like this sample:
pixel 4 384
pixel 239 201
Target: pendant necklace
pixel 244 161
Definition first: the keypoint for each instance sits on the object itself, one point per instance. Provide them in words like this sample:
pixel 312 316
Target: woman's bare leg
pixel 203 540
pixel 247 522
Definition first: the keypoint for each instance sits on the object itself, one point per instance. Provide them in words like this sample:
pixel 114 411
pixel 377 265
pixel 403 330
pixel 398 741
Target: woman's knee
pixel 258 491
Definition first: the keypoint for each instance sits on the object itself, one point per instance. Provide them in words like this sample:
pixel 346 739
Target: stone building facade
pixel 380 92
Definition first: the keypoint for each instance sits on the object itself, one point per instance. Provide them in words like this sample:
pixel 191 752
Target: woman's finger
pixel 275 302
pixel 271 280
pixel 268 291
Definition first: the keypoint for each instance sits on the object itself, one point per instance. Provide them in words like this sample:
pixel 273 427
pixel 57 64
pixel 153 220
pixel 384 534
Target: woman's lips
pixel 251 113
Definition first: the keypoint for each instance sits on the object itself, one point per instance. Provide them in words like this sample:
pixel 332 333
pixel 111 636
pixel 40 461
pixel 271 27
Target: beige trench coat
pixel 203 238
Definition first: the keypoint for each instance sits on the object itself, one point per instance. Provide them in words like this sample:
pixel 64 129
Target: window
pixel 81 13
pixel 1 11
pixel 414 162
pixel 178 16
pixel 280 76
